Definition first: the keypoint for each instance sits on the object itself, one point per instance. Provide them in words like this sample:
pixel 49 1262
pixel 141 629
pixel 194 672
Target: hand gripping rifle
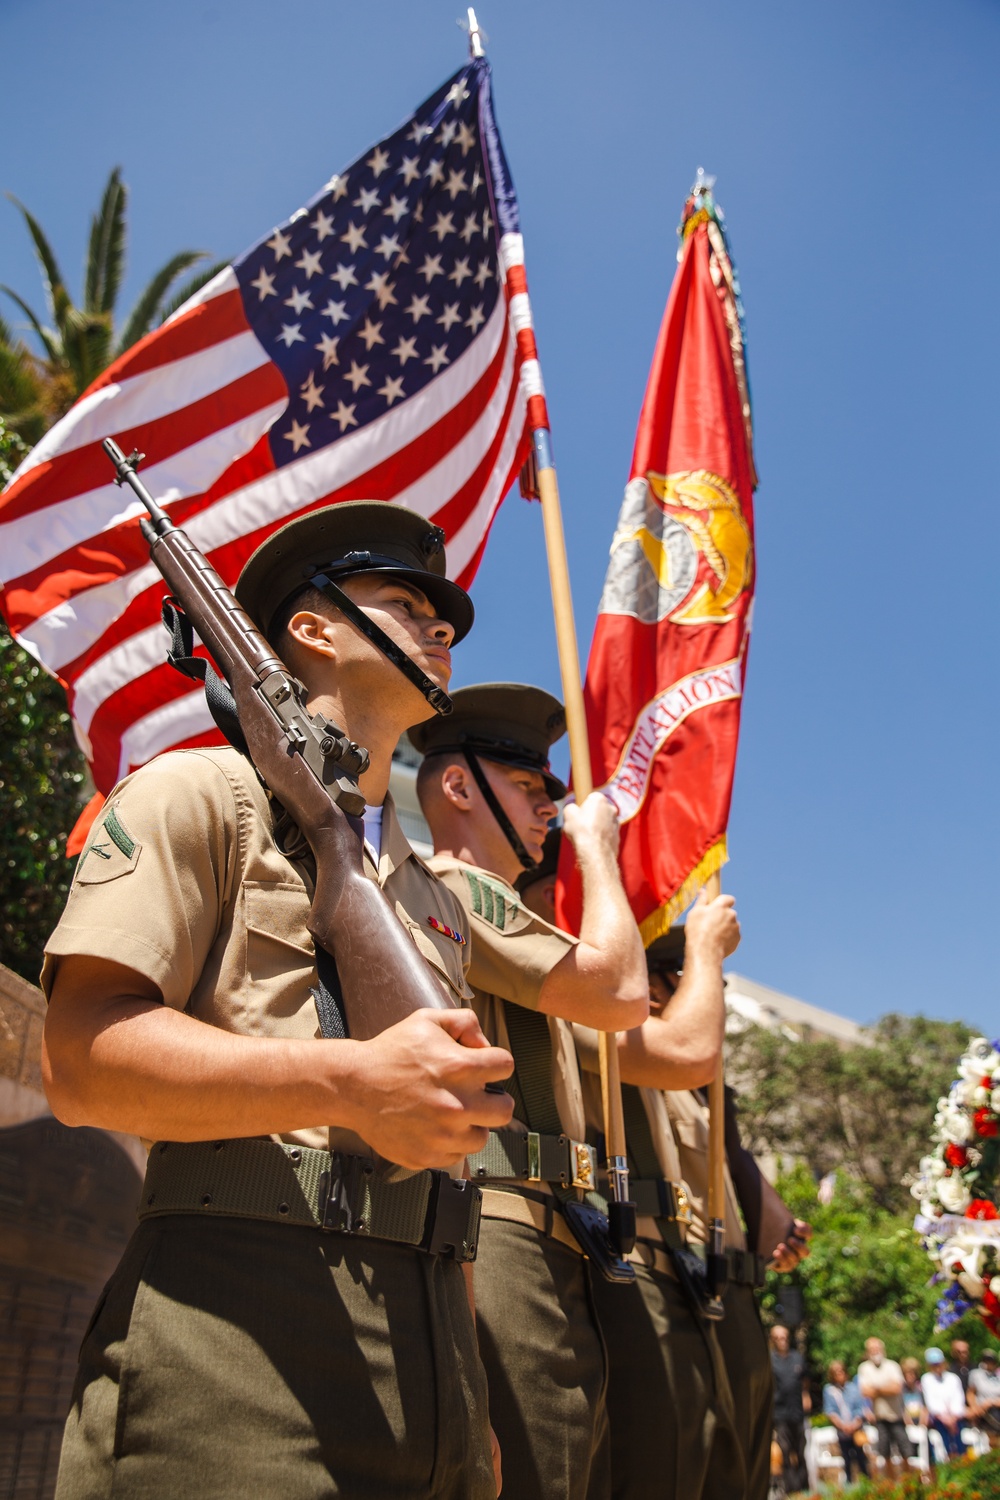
pixel 376 976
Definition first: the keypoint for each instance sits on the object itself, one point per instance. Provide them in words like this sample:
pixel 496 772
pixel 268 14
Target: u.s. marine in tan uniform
pixel 240 1349
pixel 488 795
pixel 669 1403
pixel 677 1126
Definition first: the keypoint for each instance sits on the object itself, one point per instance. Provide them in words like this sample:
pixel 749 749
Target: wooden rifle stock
pixel 311 767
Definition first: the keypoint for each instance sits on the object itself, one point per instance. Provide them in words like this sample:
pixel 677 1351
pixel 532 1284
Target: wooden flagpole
pixel 716 1263
pixel 583 785
pixel 621 1213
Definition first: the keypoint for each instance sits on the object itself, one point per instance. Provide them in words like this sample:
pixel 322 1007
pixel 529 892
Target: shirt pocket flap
pixel 444 956
pixel 278 912
pixel 691 1134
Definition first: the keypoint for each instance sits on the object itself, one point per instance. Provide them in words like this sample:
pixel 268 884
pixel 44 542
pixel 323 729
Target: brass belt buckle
pixel 534 1156
pixel 583 1161
pixel 682 1204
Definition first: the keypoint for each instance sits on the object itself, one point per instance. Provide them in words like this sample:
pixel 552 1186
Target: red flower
pixel 986 1122
pixel 991 1302
pixel 981 1208
pixel 956 1156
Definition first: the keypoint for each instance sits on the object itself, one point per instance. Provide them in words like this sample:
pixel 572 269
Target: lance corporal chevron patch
pixel 112 851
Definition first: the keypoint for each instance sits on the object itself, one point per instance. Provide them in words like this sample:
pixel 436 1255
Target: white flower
pixel 995 1101
pixel 930 1208
pixel 954 1195
pixel 932 1167
pixel 958 1127
pixel 980 1096
pixel 995 1286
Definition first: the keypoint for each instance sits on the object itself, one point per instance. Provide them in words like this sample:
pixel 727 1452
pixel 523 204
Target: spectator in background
pixel 792 1404
pixel 984 1395
pixel 960 1362
pixel 914 1409
pixel 843 1404
pixel 945 1402
pixel 881 1384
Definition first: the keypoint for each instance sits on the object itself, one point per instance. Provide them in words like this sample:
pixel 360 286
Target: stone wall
pixel 22 1012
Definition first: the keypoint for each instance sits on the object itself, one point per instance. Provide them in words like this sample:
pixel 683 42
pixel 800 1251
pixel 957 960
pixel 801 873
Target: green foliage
pixel 78 343
pixel 42 780
pixel 966 1479
pixel 866 1109
pixel 867 1277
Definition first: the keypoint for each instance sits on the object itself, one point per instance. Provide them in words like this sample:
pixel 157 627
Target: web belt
pixel 282 1184
pixel 518 1156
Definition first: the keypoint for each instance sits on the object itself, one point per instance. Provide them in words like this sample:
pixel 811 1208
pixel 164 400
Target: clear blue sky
pixel 857 152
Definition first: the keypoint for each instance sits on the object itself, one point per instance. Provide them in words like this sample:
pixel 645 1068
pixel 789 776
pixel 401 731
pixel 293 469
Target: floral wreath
pixel 959 1220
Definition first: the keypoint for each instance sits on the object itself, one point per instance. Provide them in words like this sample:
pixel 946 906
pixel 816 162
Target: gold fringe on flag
pixel 660 921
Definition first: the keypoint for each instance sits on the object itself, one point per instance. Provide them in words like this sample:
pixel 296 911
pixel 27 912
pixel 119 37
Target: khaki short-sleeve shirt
pixel 513 952
pixel 182 881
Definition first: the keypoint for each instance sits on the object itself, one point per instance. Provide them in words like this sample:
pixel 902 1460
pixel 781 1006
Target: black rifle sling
pixel 329 997
pixel 218 694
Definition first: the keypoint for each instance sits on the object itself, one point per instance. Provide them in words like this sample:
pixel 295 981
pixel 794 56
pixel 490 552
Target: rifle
pixel 310 766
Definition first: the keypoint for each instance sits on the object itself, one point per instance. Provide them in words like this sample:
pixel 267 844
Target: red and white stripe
pixel 199 395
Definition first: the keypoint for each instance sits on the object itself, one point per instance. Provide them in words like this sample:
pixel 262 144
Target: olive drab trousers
pixel 744 1349
pixel 545 1364
pixel 231 1358
pixel 670 1407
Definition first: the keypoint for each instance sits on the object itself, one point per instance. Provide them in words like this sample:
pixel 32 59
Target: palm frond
pixel 198 280
pixel 141 317
pixel 106 254
pixel 52 277
pixel 87 346
pixel 49 338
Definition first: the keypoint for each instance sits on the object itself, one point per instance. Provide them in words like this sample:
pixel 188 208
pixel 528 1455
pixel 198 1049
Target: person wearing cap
pixel 488 794
pixel 945 1402
pixel 724 1380
pixel 984 1395
pixel 240 1349
pixel 663 1355
pixel 761 1231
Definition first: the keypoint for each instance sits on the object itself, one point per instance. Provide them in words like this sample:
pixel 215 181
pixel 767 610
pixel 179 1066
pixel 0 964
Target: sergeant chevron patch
pixel 489 900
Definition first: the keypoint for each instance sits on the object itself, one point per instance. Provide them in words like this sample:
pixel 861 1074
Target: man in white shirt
pixel 945 1402
pixel 881 1384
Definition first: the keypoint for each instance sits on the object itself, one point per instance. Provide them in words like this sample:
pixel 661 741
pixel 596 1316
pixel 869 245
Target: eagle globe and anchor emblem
pixel 667 522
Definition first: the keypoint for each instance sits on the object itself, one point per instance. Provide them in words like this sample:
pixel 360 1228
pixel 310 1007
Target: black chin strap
pixel 507 828
pixel 436 696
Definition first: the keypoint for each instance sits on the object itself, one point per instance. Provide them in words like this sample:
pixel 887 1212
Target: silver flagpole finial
pixel 475 35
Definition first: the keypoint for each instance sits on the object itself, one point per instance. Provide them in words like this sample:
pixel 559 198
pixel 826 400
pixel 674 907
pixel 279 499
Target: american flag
pixel 376 345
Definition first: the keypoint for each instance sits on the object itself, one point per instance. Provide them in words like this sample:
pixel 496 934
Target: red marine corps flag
pixel 665 677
